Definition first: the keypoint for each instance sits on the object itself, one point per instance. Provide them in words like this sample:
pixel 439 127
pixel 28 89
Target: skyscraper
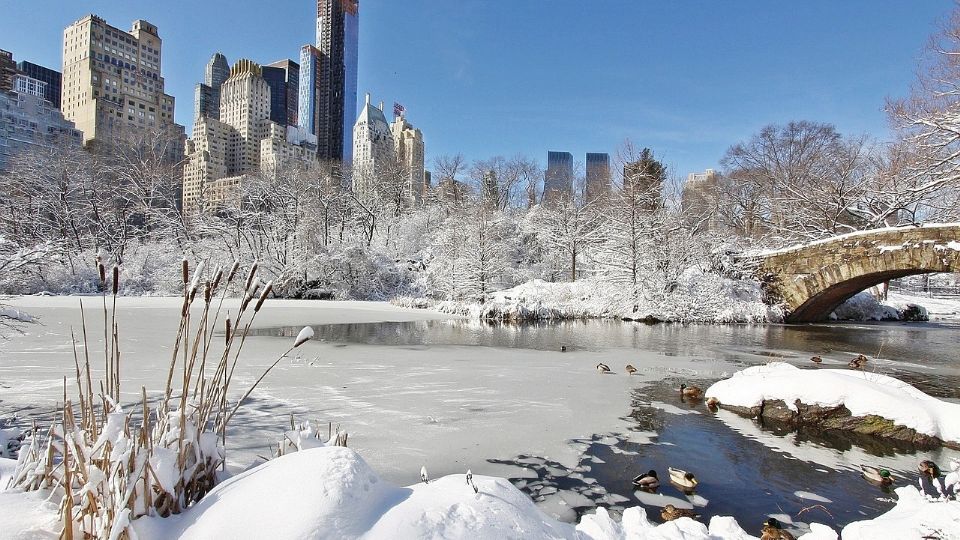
pixel 338 30
pixel 31 121
pixel 50 76
pixel 598 176
pixel 112 86
pixel 558 179
pixel 206 101
pixel 308 100
pixel 284 79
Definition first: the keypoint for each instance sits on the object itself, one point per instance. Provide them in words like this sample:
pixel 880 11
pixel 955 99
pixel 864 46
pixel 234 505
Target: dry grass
pixel 112 463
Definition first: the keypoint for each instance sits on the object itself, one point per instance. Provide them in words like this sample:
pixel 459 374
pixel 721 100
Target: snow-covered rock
pixel 862 392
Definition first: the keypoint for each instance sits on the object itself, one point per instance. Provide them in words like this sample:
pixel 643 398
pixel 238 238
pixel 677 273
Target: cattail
pixel 186 271
pixel 229 328
pixel 233 271
pixel 103 273
pixel 304 336
pixel 263 296
pixel 116 280
pixel 218 275
pixel 206 292
pixel 251 275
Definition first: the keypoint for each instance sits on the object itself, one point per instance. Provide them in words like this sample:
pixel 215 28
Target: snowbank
pixel 332 493
pixel 696 297
pixel 863 393
pixel 914 517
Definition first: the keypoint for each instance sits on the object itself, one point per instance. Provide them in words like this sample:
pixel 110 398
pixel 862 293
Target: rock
pixel 836 419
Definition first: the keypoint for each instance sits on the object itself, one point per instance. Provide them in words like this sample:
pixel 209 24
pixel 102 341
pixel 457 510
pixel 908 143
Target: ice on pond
pixel 811 496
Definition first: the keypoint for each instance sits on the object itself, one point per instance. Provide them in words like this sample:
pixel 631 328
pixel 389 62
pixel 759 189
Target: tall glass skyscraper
pixel 338 32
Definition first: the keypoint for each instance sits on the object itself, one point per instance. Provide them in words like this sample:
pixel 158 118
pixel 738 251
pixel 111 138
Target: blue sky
pixel 498 77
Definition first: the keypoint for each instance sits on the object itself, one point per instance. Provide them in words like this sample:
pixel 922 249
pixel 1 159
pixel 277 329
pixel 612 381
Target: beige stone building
pixel 409 149
pixel 242 141
pixel 387 156
pixel 112 87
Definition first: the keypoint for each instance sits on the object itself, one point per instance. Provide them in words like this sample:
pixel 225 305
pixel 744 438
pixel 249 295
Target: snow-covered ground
pixel 331 492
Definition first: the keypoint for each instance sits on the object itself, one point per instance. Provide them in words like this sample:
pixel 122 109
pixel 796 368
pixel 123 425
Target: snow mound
pixel 914 517
pixel 331 492
pixel 863 393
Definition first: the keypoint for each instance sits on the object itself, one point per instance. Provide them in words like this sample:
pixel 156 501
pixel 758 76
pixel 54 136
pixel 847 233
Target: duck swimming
pixel 647 480
pixel 671 512
pixel 630 369
pixel 682 478
pixel 603 368
pixel 773 530
pixel 816 360
pixel 691 391
pixel 878 476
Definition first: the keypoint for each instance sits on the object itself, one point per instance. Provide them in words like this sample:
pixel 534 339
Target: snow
pixel 697 297
pixel 851 235
pixel 862 392
pixel 913 517
pixel 6 471
pixel 937 308
pixel 28 516
pixel 331 492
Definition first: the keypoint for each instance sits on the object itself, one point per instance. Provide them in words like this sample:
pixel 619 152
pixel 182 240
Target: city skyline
pixel 676 95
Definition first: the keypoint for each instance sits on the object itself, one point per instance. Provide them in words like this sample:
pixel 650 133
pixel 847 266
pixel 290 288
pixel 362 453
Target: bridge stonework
pixel 812 280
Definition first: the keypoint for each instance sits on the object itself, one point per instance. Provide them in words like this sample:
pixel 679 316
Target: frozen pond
pixel 415 388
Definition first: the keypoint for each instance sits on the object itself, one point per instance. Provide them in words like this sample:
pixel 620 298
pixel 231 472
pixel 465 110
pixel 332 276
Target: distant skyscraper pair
pixel 559 177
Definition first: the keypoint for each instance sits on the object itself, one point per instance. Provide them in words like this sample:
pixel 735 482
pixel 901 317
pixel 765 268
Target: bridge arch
pixel 812 280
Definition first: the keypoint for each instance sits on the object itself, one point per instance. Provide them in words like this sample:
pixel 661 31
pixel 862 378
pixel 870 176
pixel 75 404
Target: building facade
pixel 283 77
pixel 8 69
pixel 308 109
pixel 112 86
pixel 28 120
pixel 206 96
pixel 242 141
pixel 338 31
pixel 373 151
pixel 409 151
pixel 50 77
pixel 699 199
pixel 598 176
pixel 558 178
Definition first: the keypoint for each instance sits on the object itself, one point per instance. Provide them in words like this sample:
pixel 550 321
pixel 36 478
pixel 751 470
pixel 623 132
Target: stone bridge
pixel 812 280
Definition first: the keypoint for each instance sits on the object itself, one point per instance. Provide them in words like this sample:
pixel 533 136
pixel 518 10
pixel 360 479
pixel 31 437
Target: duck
pixel 773 530
pixel 682 478
pixel 630 369
pixel 563 348
pixel 691 391
pixel 647 480
pixel 876 475
pixel 713 402
pixel 858 363
pixel 671 512
pixel 603 368
pixel 816 360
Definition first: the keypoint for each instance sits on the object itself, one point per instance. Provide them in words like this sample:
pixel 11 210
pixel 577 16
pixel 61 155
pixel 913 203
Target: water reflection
pixel 923 354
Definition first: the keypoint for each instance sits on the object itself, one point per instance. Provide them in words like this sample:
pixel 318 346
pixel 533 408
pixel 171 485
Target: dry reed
pixel 112 464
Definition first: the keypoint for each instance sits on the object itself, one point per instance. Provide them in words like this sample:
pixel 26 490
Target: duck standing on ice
pixel 603 368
